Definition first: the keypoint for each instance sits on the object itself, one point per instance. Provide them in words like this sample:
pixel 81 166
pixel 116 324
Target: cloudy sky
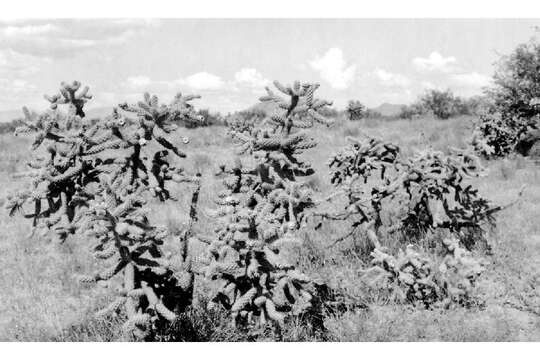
pixel 229 62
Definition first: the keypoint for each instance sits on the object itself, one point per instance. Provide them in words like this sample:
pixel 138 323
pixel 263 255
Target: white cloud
pixel 435 62
pixel 16 85
pixel 28 30
pixel 471 80
pixel 250 77
pixel 199 81
pixel 333 69
pixel 397 97
pixel 202 81
pixel 16 92
pixel 428 85
pixel 137 82
pixel 390 79
pixel 64 37
pixel 16 64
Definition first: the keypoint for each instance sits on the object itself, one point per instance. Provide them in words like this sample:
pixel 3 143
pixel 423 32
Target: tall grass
pixel 42 302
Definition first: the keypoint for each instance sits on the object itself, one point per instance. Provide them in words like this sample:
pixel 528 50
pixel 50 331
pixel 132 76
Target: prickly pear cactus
pixel 261 207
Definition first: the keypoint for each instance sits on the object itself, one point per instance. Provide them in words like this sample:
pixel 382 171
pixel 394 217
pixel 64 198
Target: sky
pixel 229 62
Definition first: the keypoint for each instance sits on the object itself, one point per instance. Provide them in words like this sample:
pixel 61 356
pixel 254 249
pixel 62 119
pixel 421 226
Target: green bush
pixel 515 112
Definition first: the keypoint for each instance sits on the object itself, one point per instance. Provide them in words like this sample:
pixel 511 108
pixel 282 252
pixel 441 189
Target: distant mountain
pixel 387 109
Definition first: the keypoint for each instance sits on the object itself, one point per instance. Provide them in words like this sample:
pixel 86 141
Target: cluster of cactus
pixel 261 207
pixel 64 175
pixel 96 180
pixel 412 277
pixel 355 110
pixel 429 189
pixel 93 179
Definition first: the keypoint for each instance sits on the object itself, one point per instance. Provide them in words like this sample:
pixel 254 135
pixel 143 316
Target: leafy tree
pixel 514 115
pixel 441 103
pixel 517 82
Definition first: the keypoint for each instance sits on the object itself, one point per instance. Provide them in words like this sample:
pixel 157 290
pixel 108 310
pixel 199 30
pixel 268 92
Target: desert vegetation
pixel 290 221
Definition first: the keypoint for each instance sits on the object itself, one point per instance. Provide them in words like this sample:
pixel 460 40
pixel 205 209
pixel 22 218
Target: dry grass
pixel 42 302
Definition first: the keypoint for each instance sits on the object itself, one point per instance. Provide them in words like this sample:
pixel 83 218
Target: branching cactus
pixel 418 279
pixel 350 170
pixel 428 189
pixel 154 288
pixel 97 178
pixel 262 206
pixel 62 172
pixel 70 155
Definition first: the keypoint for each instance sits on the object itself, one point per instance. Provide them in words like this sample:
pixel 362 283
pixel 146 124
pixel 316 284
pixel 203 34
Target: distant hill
pixel 387 109
pixel 9 115
pixel 266 107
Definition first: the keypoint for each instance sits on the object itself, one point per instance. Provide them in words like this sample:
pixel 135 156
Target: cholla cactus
pixel 263 204
pixel 361 158
pixel 416 278
pixel 428 188
pixel 77 153
pixel 437 195
pixel 61 175
pixel 355 110
pixel 95 181
pixel 154 288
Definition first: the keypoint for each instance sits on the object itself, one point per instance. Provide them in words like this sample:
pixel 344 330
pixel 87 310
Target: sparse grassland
pixel 41 301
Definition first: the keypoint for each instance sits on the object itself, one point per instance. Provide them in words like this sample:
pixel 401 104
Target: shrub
pixel 355 110
pixel 494 136
pixel 441 103
pixel 517 82
pixel 411 111
pixel 206 119
pixel 515 110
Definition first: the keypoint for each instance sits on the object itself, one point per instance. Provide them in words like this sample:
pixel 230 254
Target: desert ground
pixel 41 301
